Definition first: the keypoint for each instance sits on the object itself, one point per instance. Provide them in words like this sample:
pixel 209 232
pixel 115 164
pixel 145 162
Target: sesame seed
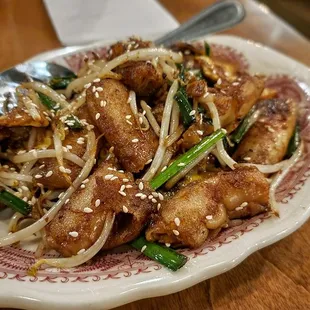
pixel 49 174
pixel 125 209
pixel 122 188
pixel 121 171
pixel 141 186
pixel 122 193
pixel 176 232
pixel 129 122
pixel 247 158
pixel 128 186
pixel 209 217
pixel 94 89
pixel 125 180
pixel 200 132
pixel 114 178
pixel 235 83
pixel 181 165
pixel 239 208
pixel 244 204
pixel 108 176
pixel 68 171
pixel 42 166
pixel 97 203
pixel 177 221
pixel 86 86
pixel 155 194
pixel 219 81
pixel 83 186
pixel 97 116
pixel 128 116
pixel 85 181
pixel 163 169
pixel 149 161
pixel 143 197
pixel 135 140
pixel 69 147
pixel 81 251
pixel 150 197
pixel 67 201
pixel 96 94
pixel 167 245
pixel 88 210
pixel 96 80
pixel 160 196
pixel 191 113
pixel 38 176
pixel 138 194
pixel 111 169
pixel 143 248
pixel 99 89
pixel 73 234
pixel 154 200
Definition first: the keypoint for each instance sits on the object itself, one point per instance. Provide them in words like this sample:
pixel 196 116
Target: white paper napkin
pixel 80 21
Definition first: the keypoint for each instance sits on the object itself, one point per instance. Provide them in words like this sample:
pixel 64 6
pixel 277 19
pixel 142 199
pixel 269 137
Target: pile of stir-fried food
pixel 159 148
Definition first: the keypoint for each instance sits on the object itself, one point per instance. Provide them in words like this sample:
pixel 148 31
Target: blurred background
pixel 295 12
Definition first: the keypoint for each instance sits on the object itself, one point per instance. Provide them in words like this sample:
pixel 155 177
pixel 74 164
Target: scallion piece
pixel 207 49
pixel 165 256
pixel 184 106
pixel 179 164
pixel 14 202
pixel 61 82
pixel 243 128
pixel 294 142
pixel 48 102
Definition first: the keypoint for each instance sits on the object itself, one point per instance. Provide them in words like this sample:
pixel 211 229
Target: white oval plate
pixel 118 278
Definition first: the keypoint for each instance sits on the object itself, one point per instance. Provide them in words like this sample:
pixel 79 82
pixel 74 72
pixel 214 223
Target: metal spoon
pixel 219 16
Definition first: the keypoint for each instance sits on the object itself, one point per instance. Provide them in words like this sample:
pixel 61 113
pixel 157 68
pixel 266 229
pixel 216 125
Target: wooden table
pixel 277 277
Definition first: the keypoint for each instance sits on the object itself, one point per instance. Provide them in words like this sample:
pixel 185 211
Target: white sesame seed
pixel 129 122
pixel 125 180
pixel 94 89
pixel 97 203
pixel 167 245
pixel 247 158
pixel 85 181
pixel 114 178
pixel 160 196
pixel 200 132
pixel 138 194
pixel 97 116
pixel 181 165
pixel 209 217
pixel 143 248
pixel 122 188
pixel 80 142
pixel 121 171
pixel 176 232
pixel 239 208
pixel 69 147
pixel 193 112
pixel 219 81
pixel 235 83
pixel 158 207
pixel 96 80
pixel 154 200
pixel 73 234
pixel 108 176
pixel 155 194
pixel 135 140
pixel 68 171
pixel 38 176
pixel 244 204
pixel 87 85
pixel 128 186
pixel 150 197
pixel 99 89
pixel 163 169
pixel 83 186
pixel 128 116
pixel 49 174
pixel 141 186
pixel 125 209
pixel 88 210
pixel 42 166
pixel 67 201
pixel 96 94
pixel 81 251
pixel 177 221
pixel 122 193
pixel 111 169
pixel 149 161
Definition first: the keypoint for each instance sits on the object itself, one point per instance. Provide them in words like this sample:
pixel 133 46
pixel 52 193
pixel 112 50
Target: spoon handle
pixel 217 17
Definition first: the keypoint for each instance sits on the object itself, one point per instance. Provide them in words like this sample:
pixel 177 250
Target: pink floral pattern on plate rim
pixel 14 261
